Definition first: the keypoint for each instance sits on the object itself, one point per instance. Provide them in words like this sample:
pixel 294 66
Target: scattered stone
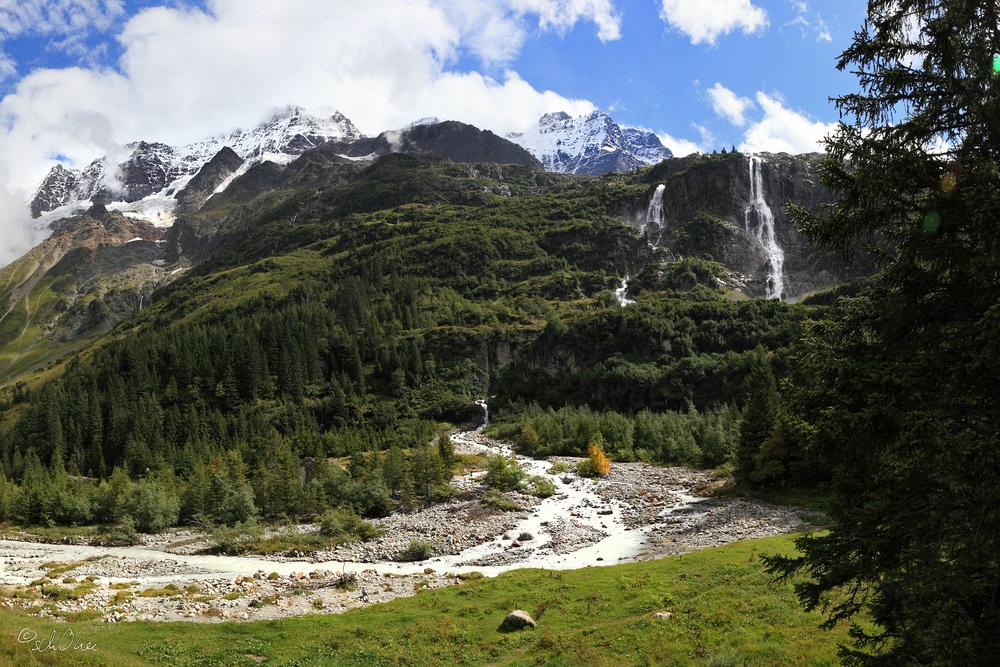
pixel 663 615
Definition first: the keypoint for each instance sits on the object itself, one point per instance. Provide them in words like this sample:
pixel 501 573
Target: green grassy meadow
pixel 726 611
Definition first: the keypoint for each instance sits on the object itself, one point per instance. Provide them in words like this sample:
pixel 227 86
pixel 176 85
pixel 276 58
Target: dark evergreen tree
pixel 898 396
pixel 446 452
pixel 759 414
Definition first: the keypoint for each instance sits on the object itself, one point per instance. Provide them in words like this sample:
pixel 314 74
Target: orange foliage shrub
pixel 599 462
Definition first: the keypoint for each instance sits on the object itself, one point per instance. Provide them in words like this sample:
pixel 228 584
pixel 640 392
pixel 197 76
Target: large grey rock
pixel 517 620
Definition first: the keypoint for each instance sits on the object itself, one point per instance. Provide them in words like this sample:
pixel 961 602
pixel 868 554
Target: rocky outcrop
pixel 155 168
pixel 95 270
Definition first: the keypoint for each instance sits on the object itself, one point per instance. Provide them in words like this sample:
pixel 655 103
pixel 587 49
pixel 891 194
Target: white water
pixel 759 219
pixel 576 500
pixel 621 293
pixel 654 213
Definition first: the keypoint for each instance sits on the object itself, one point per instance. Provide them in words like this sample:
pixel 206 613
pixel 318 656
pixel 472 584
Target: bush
pixel 71 509
pixel 503 473
pixel 540 487
pixel 346 526
pixel 152 508
pixel 494 499
pixel 346 581
pixel 370 497
pixel 227 538
pixel 418 550
pixel 119 535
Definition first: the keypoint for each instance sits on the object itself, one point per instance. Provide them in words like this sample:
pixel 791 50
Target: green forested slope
pixel 347 314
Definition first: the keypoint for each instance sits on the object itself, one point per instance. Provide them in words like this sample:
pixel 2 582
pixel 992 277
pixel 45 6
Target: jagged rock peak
pixel 591 144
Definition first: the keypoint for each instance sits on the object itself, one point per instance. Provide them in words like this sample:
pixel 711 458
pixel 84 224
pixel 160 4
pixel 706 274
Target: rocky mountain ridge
pixel 702 211
pixel 145 181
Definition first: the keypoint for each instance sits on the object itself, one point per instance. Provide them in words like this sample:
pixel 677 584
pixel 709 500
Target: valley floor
pixel 637 512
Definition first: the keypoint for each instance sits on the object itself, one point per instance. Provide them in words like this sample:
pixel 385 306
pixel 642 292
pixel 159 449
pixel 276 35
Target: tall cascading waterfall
pixel 760 220
pixel 654 213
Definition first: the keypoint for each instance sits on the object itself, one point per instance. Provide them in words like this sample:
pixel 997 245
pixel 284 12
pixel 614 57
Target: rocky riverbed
pixel 636 512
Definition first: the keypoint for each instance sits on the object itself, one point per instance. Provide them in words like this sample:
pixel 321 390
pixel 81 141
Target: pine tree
pixel 759 414
pixel 407 494
pixel 394 468
pixel 898 396
pixel 446 451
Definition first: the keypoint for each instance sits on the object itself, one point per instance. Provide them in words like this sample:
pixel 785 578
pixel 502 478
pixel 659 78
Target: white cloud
pixel 822 31
pixel 811 23
pixel 8 68
pixel 186 73
pixel 704 21
pixel 62 17
pixel 783 130
pixel 679 147
pixel 72 20
pixel 561 15
pixel 495 30
pixel 729 105
pixel 17 233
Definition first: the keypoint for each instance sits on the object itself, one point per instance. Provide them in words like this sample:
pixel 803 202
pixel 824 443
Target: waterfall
pixel 654 214
pixel 486 411
pixel 621 291
pixel 760 220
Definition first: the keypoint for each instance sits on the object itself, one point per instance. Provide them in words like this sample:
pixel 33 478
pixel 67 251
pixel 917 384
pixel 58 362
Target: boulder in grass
pixel 663 615
pixel 517 620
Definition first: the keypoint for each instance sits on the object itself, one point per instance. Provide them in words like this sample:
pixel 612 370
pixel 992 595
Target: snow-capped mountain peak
pixel 154 171
pixel 591 144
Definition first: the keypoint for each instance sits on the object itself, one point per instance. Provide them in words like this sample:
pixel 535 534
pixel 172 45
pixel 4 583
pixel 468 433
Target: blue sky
pixel 80 78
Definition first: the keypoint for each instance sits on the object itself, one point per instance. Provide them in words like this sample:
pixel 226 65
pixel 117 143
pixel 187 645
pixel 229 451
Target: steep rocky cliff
pixel 705 213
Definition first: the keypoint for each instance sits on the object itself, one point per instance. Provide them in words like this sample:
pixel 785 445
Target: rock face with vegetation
pixel 91 273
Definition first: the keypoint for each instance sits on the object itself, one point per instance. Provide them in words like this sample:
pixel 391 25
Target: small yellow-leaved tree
pixel 599 462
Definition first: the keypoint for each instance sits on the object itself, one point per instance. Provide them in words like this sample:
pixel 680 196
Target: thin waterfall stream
pixel 760 220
